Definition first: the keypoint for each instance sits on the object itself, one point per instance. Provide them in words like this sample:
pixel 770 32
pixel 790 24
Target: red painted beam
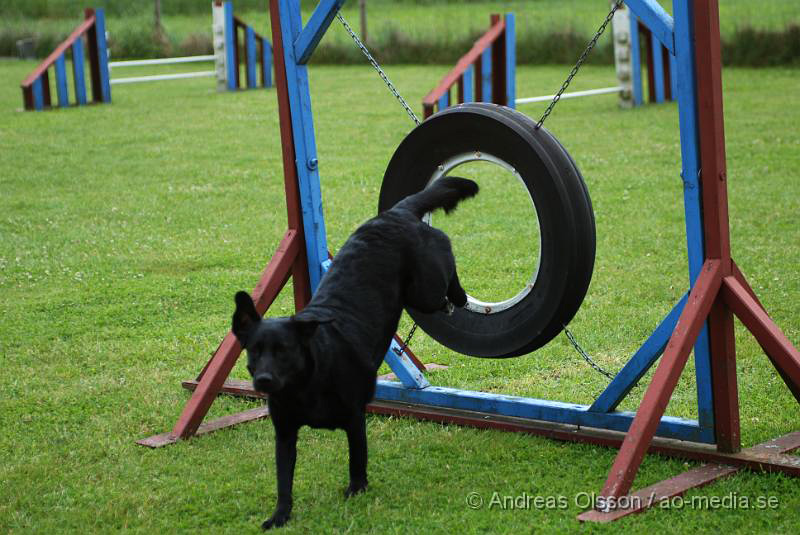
pixel 716 228
pixel 713 174
pixel 294 211
pixel 651 75
pixel 499 95
pixel 466 60
pixel 60 49
pixel 780 350
pixel 654 403
pixel 667 73
pixel 94 59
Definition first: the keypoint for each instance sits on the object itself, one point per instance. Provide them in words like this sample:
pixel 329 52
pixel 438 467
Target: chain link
pixel 585 355
pixel 410 113
pixel 374 63
pixel 402 349
pixel 577 66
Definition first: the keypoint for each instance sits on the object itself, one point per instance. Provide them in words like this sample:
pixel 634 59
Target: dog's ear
pixel 306 323
pixel 245 317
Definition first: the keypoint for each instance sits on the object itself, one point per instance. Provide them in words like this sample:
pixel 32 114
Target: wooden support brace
pixel 219 367
pixel 652 408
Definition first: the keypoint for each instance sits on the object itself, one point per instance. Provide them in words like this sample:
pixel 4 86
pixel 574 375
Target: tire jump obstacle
pixel 702 319
pixel 487 73
pixel 234 42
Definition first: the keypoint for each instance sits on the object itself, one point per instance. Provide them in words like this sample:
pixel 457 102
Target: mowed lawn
pixel 125 230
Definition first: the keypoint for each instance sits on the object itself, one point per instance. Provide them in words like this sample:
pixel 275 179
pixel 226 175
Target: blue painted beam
pixel 250 53
pixel 231 42
pixel 468 81
pixel 102 54
pixel 61 81
pixel 692 200
pixel 444 100
pixel 78 72
pixel 486 75
pixel 529 408
pixel 658 68
pixel 38 95
pixel 409 375
pixel 318 24
pixel 267 51
pixel 673 77
pixel 656 19
pixel 636 62
pixel 641 361
pixel 304 142
pixel 511 61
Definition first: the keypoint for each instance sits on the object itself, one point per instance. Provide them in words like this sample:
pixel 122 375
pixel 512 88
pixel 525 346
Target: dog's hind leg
pixel 285 458
pixel 455 293
pixel 357 443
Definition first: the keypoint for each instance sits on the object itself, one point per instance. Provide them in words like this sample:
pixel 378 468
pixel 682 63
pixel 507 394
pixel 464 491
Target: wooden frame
pixel 702 319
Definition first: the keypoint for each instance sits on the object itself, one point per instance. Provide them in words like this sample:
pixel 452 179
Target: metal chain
pixel 585 355
pixel 407 341
pixel 363 48
pixel 410 113
pixel 577 66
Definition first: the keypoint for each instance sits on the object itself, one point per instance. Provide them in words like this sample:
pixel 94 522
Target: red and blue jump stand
pixel 255 48
pixel 36 90
pixel 661 64
pixel 487 73
pixel 702 319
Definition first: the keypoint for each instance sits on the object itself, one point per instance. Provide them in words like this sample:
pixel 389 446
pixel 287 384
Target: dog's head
pixel 277 349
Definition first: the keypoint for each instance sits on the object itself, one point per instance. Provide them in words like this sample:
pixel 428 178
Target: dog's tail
pixel 444 193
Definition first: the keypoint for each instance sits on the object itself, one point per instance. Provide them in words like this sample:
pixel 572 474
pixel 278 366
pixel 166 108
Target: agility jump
pixel 702 319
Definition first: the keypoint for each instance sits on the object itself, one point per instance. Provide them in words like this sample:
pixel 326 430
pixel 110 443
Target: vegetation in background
pixel 420 32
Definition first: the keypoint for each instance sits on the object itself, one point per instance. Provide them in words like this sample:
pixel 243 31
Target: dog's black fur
pixel 318 367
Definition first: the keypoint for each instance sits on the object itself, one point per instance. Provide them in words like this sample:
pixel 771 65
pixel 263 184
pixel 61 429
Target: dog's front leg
pixel 357 443
pixel 285 457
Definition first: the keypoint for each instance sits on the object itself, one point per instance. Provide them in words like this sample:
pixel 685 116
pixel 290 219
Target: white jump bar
pixel 574 94
pixel 160 61
pixel 158 77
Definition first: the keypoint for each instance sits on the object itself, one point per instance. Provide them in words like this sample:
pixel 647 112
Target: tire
pixel 566 224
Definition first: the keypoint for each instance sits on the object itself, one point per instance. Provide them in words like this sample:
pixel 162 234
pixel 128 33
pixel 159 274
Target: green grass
pixel 125 230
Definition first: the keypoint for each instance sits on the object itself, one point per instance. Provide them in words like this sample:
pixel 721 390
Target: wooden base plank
pixel 164 439
pixel 647 497
pixel 773 452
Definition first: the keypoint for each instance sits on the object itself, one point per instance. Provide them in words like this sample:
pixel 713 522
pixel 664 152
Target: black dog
pixel 319 366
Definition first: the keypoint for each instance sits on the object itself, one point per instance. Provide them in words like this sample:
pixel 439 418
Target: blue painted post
pixel 230 47
pixel 535 409
pixel 486 75
pixel 636 62
pixel 267 64
pixel 38 97
pixel 102 54
pixel 305 144
pixel 61 82
pixel 511 61
pixel 78 72
pixel 250 54
pixel 658 67
pixel 642 360
pixel 673 77
pixel 690 169
pixel 444 100
pixel 469 84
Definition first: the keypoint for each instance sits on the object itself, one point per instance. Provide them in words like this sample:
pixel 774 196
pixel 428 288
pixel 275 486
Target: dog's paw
pixel 278 519
pixel 355 488
pixel 448 308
